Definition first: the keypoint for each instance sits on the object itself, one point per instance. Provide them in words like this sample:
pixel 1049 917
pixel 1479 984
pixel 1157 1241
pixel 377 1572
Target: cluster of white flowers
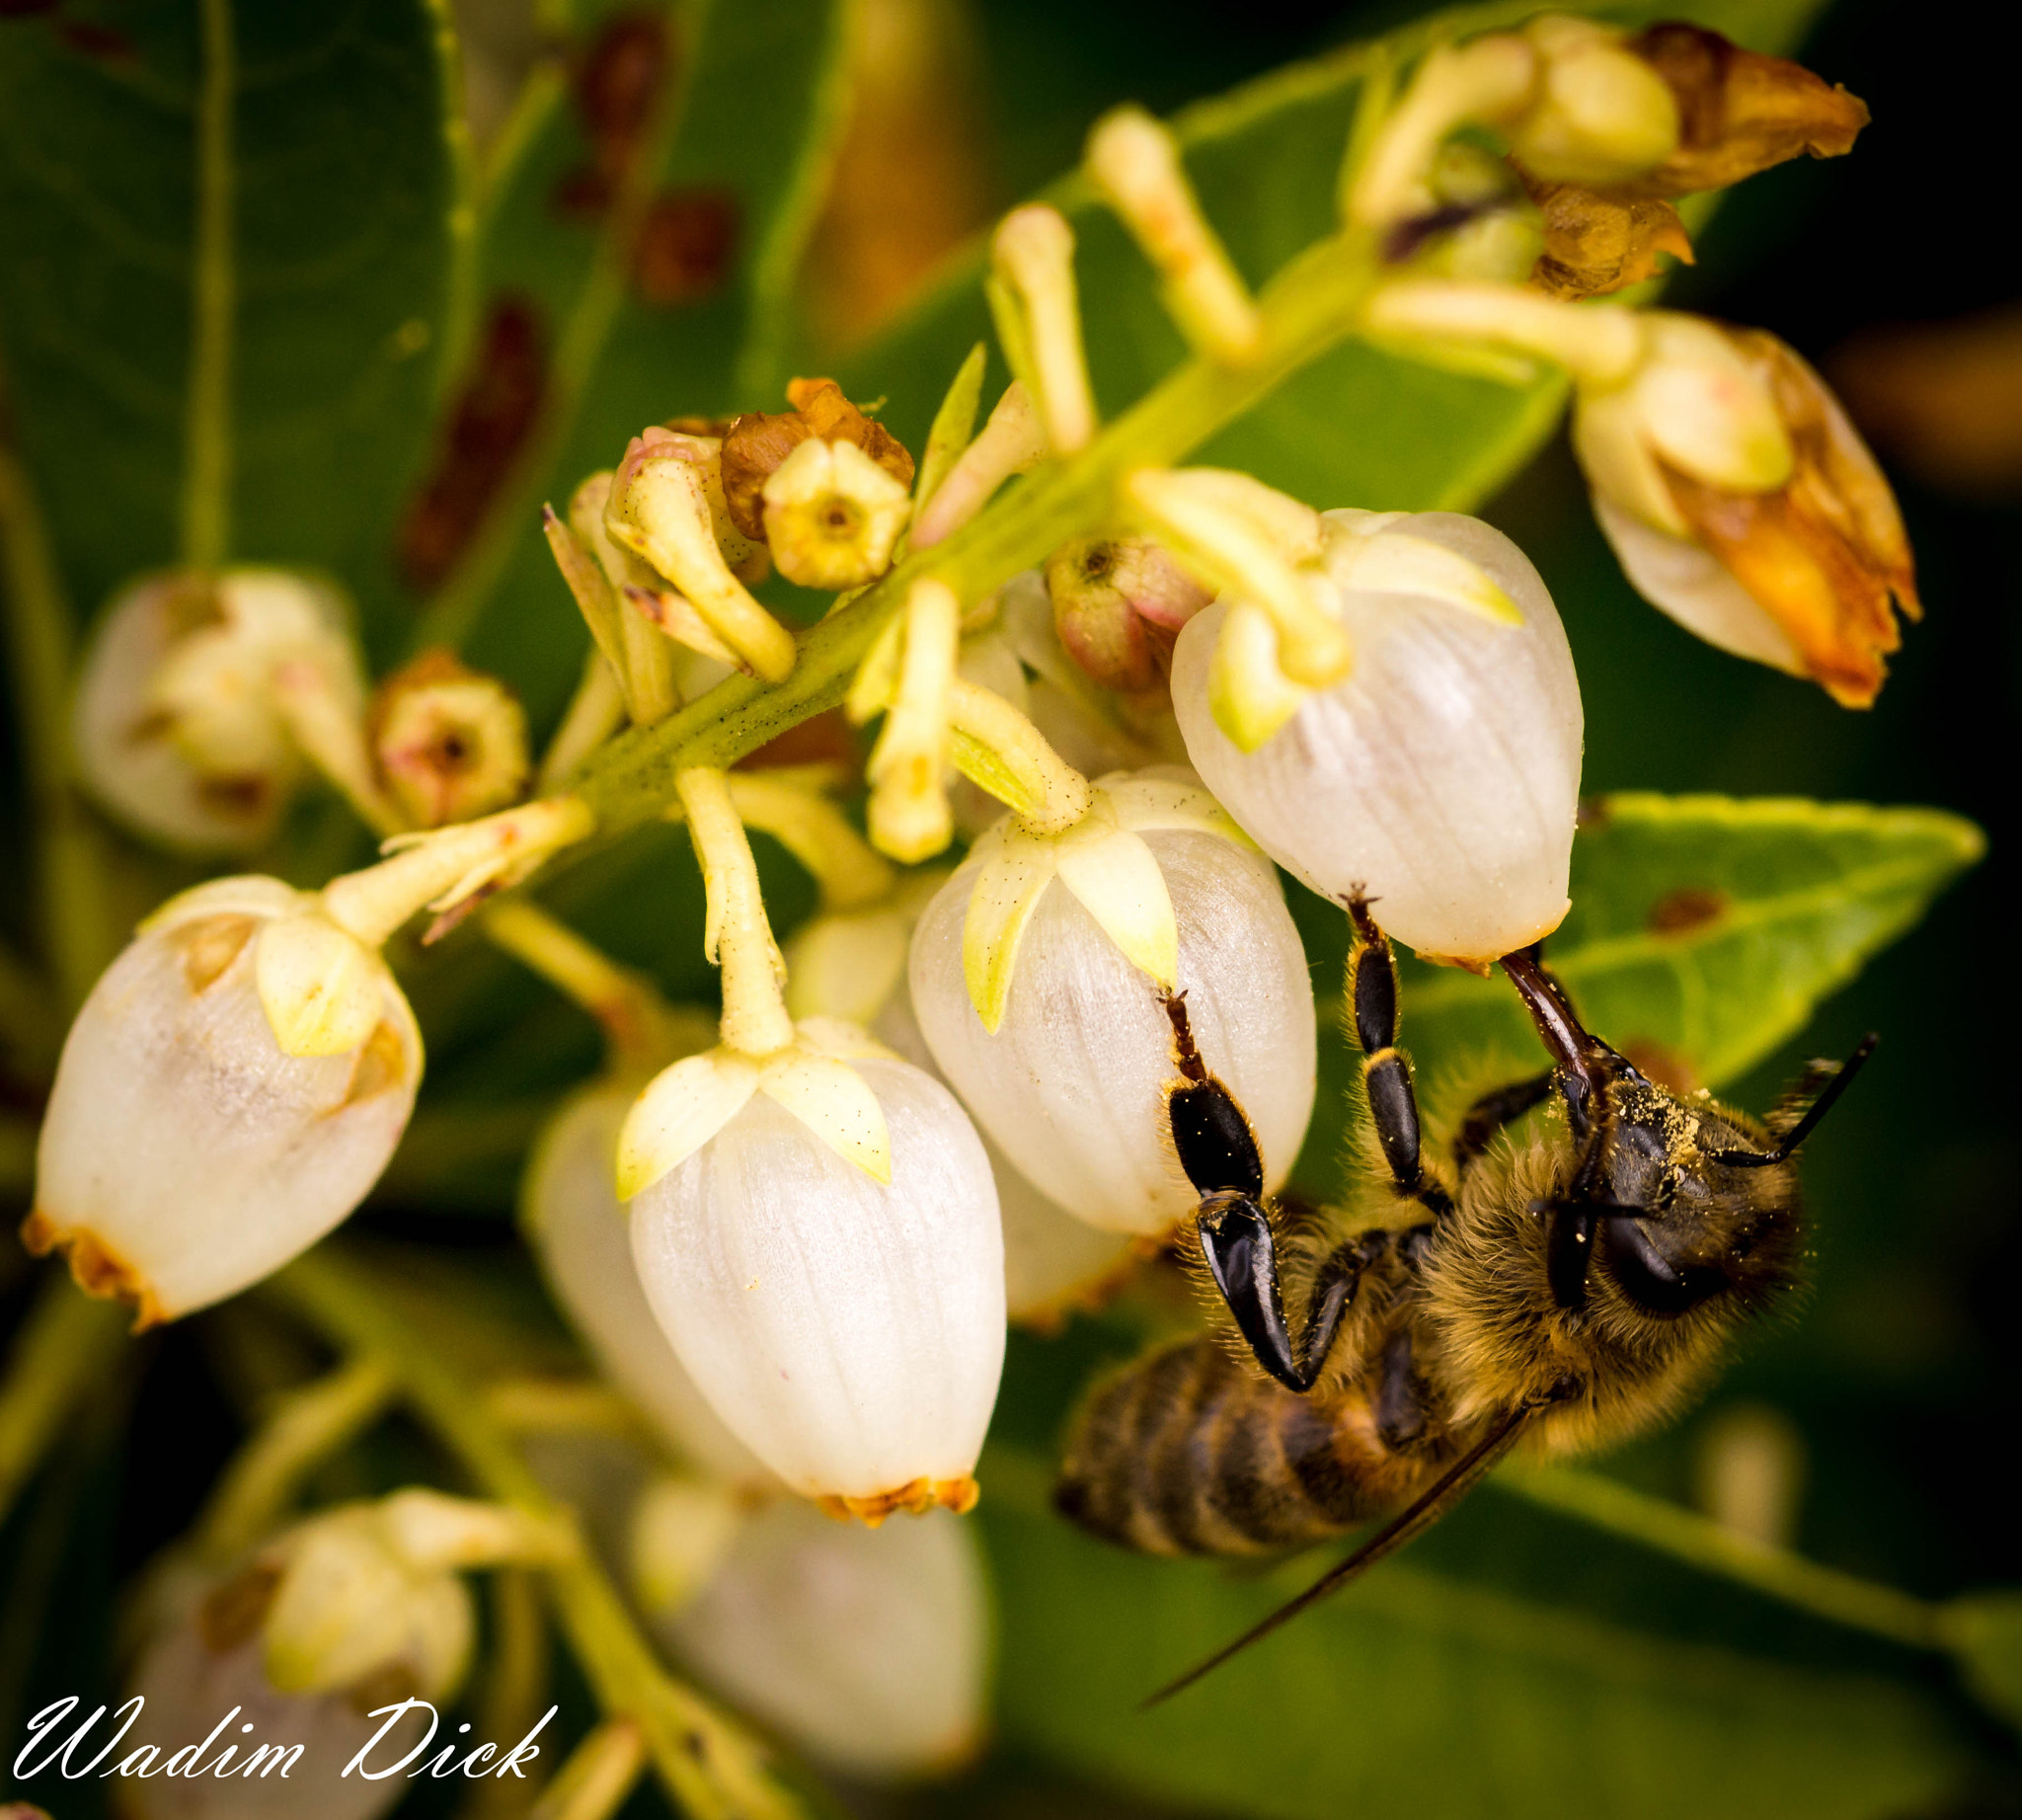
pixel 795 1247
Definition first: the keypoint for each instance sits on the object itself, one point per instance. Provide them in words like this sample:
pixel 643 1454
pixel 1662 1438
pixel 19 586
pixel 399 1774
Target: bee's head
pixel 1676 1201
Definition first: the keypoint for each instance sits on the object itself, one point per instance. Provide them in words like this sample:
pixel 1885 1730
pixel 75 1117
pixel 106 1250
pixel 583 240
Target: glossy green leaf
pixel 338 224
pixel 1416 1694
pixel 1705 929
pixel 751 122
pixel 1358 428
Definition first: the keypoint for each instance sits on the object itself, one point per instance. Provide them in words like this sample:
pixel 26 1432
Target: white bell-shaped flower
pixel 178 726
pixel 1038 975
pixel 580 1236
pixel 817 1234
pixel 867 1649
pixel 1441 778
pixel 1053 1261
pixel 230 1091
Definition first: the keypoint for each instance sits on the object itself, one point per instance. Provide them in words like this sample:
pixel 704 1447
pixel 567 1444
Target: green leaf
pixel 234 239
pixel 754 121
pixel 1705 929
pixel 1358 428
pixel 1985 1632
pixel 1414 1693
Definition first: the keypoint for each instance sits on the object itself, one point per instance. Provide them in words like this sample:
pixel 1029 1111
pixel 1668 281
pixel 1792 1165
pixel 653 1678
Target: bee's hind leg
pixel 1387 1070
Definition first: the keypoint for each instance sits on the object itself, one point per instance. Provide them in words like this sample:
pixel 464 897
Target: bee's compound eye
pixel 1646 1276
pixel 1216 1147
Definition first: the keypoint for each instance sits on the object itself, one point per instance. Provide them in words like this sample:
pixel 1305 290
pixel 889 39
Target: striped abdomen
pixel 1187 1453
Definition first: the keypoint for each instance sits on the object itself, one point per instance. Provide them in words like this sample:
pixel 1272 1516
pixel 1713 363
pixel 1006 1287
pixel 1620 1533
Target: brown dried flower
pixel 449 743
pixel 1739 112
pixel 760 440
pixel 1595 243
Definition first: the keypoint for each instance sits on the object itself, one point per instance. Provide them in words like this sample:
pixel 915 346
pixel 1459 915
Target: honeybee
pixel 1564 1289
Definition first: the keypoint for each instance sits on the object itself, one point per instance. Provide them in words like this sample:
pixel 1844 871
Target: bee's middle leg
pixel 1386 1070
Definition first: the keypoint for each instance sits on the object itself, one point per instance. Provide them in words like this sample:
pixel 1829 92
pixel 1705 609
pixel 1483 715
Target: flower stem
pixel 638 1023
pixel 599 1773
pixel 736 937
pixel 1839 1598
pixel 309 1425
pixel 710 1766
pixel 1310 305
pixel 1000 750
pixel 849 872
pixel 65 1347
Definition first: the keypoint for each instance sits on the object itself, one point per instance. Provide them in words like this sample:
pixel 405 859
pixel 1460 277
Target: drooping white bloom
pixel 867 1649
pixel 579 1233
pixel 1069 945
pixel 1053 1261
pixel 177 729
pixel 230 1091
pixel 1442 778
pixel 817 1234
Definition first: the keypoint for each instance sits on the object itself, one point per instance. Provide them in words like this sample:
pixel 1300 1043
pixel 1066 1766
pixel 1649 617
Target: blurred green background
pixel 1898 1379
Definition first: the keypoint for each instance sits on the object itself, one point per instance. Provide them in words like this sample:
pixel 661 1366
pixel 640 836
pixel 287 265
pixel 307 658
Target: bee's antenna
pixel 1786 1146
pixel 1457 1481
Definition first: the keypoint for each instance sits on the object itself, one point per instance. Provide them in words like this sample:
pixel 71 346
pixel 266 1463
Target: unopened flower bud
pixel 349 1604
pixel 869 1652
pixel 571 1213
pixel 681 1531
pixel 230 1091
pixel 1113 598
pixel 817 1234
pixel 1744 503
pixel 450 743
pixel 177 725
pixel 1440 779
pixel 832 516
pixel 1011 441
pixel 1039 319
pixel 1739 112
pixel 1037 976
pixel 205 1658
pixel 1599 114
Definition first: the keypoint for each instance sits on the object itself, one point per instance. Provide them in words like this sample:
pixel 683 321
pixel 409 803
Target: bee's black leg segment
pixel 1386 1073
pixel 1568 1249
pixel 1215 1146
pixel 1242 1258
pixel 1400 1408
pixel 1499 1107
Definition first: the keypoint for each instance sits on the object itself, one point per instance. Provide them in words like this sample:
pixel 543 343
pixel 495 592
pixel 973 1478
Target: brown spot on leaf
pixel 232 1612
pixel 494 414
pixel 617 81
pixel 822 739
pixel 685 246
pixel 1685 909
pixel 1593 812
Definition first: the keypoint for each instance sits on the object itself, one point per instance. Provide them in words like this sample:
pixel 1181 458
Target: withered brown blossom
pixel 1825 555
pixel 1596 244
pixel 1739 112
pixel 760 440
